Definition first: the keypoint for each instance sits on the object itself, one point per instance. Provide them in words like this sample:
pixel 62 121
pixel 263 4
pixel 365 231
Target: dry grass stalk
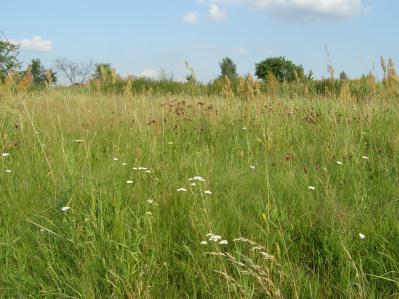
pixel 345 92
pixel 227 91
pixel 272 85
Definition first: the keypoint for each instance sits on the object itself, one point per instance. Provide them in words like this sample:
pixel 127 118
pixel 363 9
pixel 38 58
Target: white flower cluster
pixel 215 239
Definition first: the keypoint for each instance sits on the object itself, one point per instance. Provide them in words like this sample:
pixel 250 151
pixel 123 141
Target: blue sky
pixel 146 36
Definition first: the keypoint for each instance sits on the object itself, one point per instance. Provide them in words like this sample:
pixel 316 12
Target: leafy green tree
pixel 40 74
pixel 228 68
pixel 8 58
pixel 103 71
pixel 282 69
pixel 343 76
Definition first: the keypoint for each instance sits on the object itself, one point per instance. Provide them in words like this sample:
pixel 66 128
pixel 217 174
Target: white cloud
pixel 149 73
pixel 306 10
pixel 216 14
pixel 190 17
pixel 241 51
pixel 35 43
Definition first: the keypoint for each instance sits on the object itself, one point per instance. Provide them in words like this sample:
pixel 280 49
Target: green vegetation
pixel 90 206
pixel 282 69
pixel 8 58
pixel 285 187
pixel 228 69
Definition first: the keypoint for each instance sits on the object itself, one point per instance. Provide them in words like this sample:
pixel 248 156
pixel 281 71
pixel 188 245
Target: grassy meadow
pixel 182 196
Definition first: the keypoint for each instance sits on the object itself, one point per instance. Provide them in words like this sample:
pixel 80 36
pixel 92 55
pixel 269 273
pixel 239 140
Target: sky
pixel 143 37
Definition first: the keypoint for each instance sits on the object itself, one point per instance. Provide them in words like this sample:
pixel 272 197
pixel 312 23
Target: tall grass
pixel 292 183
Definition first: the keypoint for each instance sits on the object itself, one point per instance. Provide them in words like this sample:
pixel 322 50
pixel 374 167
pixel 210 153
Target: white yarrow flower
pixel 5 154
pixel 208 192
pixel 182 190
pixel 65 209
pixel 197 178
pixel 148 213
pixel 150 201
pixel 365 158
pixel 252 167
pixel 223 242
pixel 339 163
pixel 124 164
pixel 204 242
pixel 115 159
pixel 311 188
pixel 215 238
pixel 8 170
pixel 129 182
pixel 362 236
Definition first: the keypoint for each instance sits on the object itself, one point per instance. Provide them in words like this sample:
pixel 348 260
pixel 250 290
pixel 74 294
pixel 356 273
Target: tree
pixel 75 72
pixel 8 58
pixel 102 71
pixel 343 76
pixel 281 68
pixel 40 74
pixel 228 68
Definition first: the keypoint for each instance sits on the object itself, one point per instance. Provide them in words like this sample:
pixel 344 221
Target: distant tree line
pixel 270 70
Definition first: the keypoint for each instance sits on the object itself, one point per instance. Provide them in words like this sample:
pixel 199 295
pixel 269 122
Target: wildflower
pixel 204 242
pixel 148 171
pixel 252 167
pixel 78 140
pixel 182 190
pixel 362 236
pixel 115 159
pixel 124 164
pixel 208 192
pixel 193 184
pixel 223 242
pixel 339 163
pixel 8 170
pixel 365 157
pixel 197 178
pixel 142 168
pixel 150 201
pixel 129 182
pixel 65 209
pixel 5 154
pixel 170 143
pixel 135 168
pixel 311 188
pixel 244 128
pixel 215 238
pixel 148 213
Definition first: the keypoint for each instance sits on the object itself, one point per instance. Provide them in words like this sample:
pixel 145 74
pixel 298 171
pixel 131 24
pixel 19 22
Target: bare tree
pixel 86 70
pixel 75 72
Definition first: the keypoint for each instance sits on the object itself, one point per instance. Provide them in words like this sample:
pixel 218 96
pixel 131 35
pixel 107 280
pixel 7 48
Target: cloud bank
pixel 35 43
pixel 305 10
pixel 190 17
